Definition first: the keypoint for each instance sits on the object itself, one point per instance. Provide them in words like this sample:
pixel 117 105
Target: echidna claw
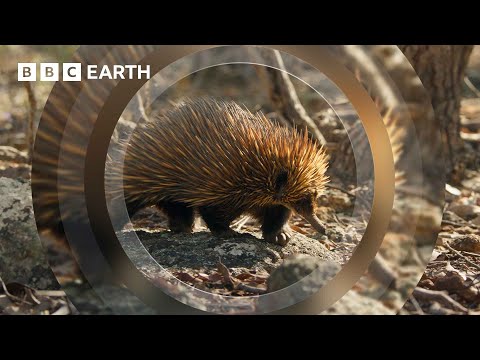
pixel 281 238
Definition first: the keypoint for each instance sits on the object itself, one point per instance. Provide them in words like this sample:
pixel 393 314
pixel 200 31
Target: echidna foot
pixel 280 238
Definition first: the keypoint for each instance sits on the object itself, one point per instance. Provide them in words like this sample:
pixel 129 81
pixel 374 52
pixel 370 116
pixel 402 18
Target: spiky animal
pixel 222 160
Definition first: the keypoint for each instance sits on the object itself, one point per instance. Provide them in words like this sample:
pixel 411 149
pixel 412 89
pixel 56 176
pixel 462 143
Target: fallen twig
pixel 462 256
pixel 227 277
pixel 12 297
pixel 416 305
pixel 460 224
pixel 240 223
pixel 237 285
pixel 141 108
pixel 441 297
pixel 471 86
pixel 51 293
pixel 382 272
pixel 471 254
pixel 251 289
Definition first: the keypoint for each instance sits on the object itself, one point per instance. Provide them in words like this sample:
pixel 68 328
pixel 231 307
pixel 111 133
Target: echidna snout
pixel 306 209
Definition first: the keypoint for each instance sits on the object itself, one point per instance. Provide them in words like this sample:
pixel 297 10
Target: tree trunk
pixel 441 69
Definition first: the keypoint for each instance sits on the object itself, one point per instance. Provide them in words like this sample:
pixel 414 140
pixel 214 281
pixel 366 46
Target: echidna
pixel 222 160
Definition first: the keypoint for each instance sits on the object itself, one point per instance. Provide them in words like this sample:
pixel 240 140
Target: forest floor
pixel 450 284
pixel 452 278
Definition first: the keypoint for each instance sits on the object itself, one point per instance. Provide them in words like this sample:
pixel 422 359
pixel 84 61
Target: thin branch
pixel 10 296
pixel 416 305
pixel 472 87
pixel 382 272
pixel 141 108
pixel 236 284
pixel 471 254
pixel 227 277
pixel 251 289
pixel 51 293
pixel 284 98
pixel 240 223
pixel 31 119
pixel 460 224
pixel 438 296
pixel 462 256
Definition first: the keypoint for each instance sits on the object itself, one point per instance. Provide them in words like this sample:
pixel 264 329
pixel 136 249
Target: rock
pixel 470 243
pixel 123 302
pixel 352 303
pixel 454 282
pixel 450 216
pixel 297 267
pixel 465 211
pixel 202 250
pixel 10 154
pixel 22 256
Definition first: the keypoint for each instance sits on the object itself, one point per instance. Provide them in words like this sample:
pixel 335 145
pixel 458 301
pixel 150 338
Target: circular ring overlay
pixel 72 145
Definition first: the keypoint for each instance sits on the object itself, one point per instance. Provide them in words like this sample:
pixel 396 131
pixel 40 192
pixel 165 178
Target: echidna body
pixel 223 160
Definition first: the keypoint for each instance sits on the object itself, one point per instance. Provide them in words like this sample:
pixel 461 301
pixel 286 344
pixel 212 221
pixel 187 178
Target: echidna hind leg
pixel 274 221
pixel 217 220
pixel 180 216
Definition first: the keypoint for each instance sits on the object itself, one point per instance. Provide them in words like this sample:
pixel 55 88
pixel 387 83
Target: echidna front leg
pixel 180 216
pixel 274 221
pixel 218 220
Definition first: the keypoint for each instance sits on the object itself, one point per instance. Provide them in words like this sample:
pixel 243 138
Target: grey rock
pixel 22 256
pixel 125 303
pixel 465 211
pixel 202 250
pixel 353 303
pixel 299 266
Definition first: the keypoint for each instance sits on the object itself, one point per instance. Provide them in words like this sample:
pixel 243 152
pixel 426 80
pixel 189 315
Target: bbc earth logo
pixel 73 72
